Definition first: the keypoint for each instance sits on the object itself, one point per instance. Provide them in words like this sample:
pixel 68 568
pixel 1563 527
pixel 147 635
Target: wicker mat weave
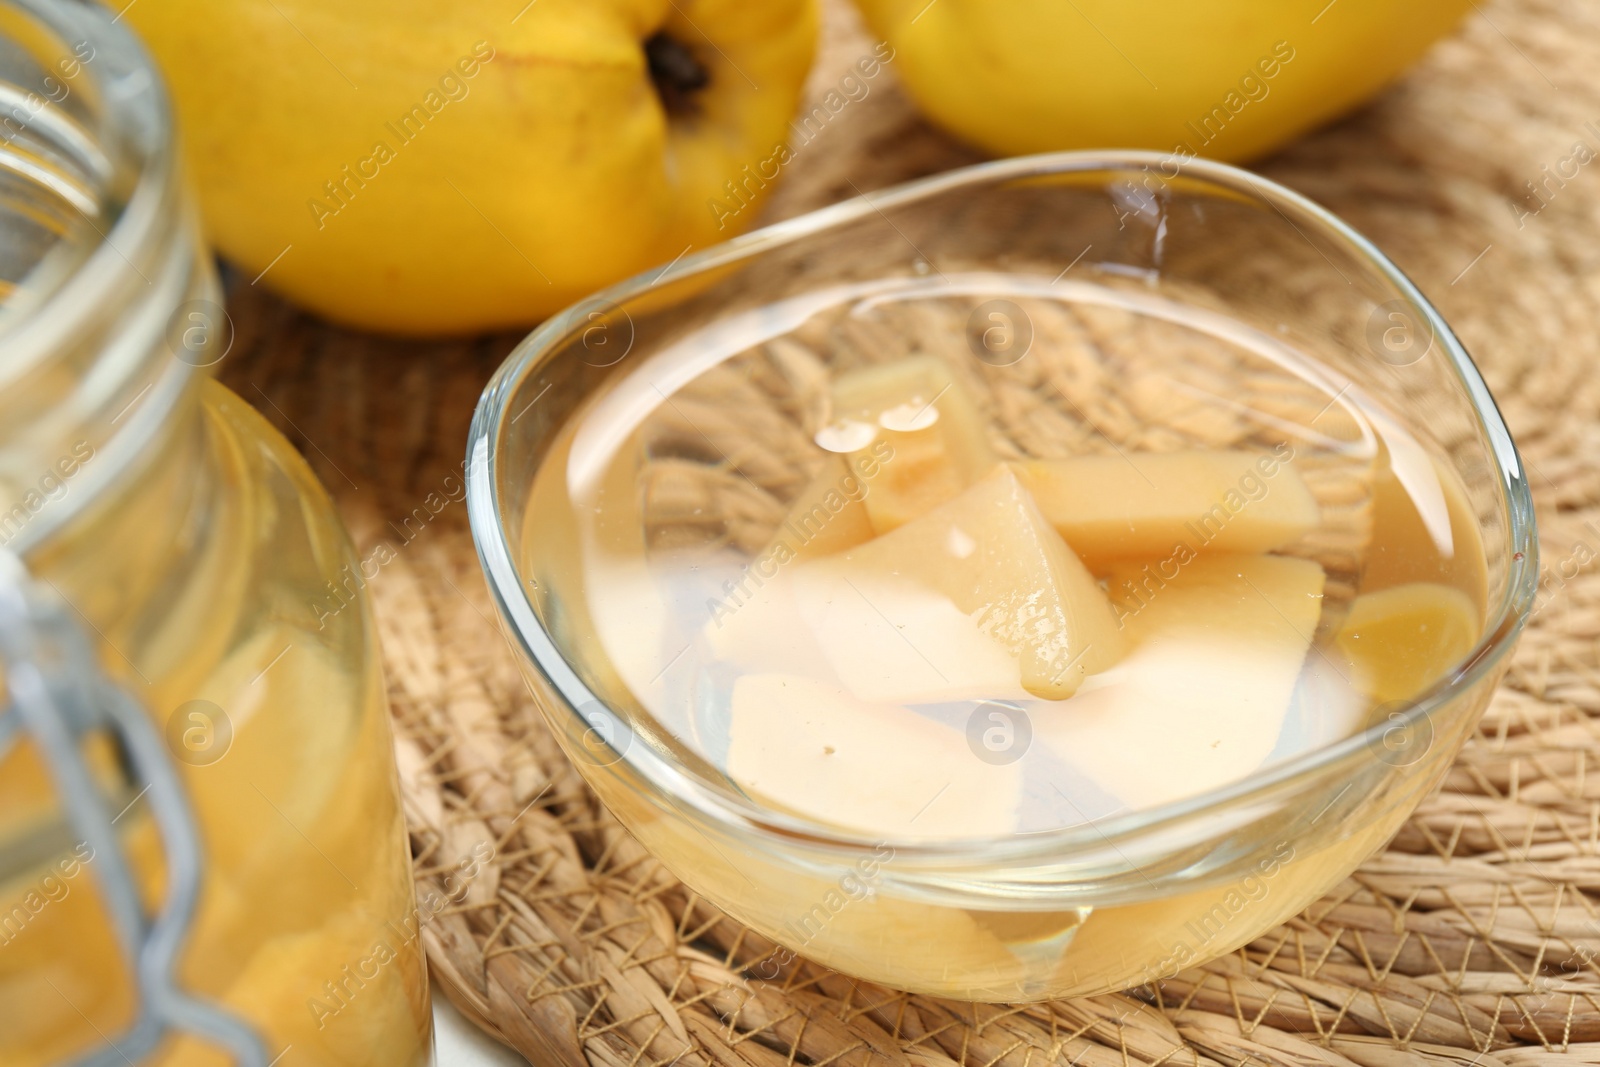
pixel 1474 938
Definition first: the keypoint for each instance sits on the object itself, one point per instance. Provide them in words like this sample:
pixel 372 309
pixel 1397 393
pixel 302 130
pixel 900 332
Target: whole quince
pixel 419 167
pixel 1226 79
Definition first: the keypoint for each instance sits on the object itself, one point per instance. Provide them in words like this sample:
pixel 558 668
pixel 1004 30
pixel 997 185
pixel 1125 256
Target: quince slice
pixel 1202 696
pixel 990 573
pixel 1401 640
pixel 935 433
pixel 1144 505
pixel 757 626
pixel 892 639
pixel 764 632
pixel 828 516
pixel 811 747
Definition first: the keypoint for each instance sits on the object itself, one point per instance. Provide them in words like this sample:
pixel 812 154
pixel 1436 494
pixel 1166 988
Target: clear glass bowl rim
pixel 684 790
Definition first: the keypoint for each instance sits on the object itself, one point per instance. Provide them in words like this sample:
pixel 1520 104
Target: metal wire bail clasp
pixel 55 694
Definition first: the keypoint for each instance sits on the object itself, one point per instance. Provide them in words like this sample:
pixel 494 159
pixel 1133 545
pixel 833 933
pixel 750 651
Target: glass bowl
pixel 1311 339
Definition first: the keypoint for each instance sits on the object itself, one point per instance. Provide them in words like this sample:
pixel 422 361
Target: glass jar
pixel 222 876
pixel 1347 362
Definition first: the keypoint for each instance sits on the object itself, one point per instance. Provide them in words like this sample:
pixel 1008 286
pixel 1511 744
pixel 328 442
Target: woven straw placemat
pixel 1473 938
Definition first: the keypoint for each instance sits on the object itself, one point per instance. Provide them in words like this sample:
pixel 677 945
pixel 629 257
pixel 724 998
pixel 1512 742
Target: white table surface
pixel 458 1043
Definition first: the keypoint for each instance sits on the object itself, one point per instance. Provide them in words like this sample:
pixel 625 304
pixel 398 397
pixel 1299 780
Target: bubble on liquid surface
pixel 846 435
pixel 915 414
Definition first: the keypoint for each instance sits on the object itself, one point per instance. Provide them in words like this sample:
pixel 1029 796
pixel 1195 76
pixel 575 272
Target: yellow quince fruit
pixel 1230 79
pixel 424 168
